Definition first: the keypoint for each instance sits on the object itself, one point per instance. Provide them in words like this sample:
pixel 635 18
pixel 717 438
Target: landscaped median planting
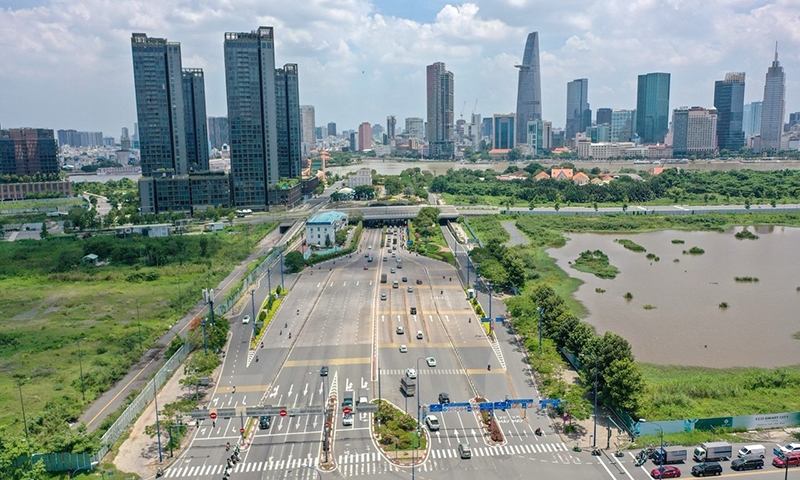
pixel 491 428
pixel 397 433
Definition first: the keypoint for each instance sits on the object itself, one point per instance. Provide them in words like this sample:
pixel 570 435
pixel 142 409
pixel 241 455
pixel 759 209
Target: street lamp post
pixel 24 418
pixel 541 311
pixel 139 322
pixel 158 426
pixel 80 365
pixel 282 287
pixel 269 280
pixel 253 305
pixel 414 452
pixel 661 450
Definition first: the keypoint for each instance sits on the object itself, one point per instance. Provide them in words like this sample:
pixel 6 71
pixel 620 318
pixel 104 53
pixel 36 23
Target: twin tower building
pixel 263 118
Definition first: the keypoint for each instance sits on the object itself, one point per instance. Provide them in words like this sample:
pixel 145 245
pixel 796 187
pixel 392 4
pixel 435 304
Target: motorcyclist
pixel 539 431
pixel 256 358
pixel 234 389
pixel 489 367
pixel 290 334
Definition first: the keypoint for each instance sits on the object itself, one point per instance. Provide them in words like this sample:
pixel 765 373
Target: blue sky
pixel 67 63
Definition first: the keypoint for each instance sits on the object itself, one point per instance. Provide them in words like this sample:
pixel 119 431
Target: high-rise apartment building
pixel 331 129
pixel 74 138
pixel 194 112
pixel 28 151
pixel 504 131
pixel 603 116
pixel 529 87
pixel 774 107
pixel 579 115
pixel 539 136
pixel 307 134
pixel 391 125
pixel 794 119
pixel 623 124
pixel 652 107
pixel 694 130
pixel 415 128
pixel 364 137
pixel 250 88
pixel 729 102
pixel 160 104
pixel 751 118
pixel 287 114
pixel 218 133
pixel 440 111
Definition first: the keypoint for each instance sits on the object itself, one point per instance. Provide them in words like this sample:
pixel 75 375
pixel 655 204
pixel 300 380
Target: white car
pixel 411 373
pixel 246 319
pixel 403 349
pixel 432 422
pixel 431 361
pixel 347 419
pixel 792 447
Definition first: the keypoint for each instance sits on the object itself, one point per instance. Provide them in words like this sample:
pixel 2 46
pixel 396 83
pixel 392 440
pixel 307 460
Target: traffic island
pixel 397 434
pixel 326 456
pixel 493 434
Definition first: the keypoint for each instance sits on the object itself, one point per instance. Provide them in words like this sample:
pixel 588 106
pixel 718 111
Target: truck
pixel 408 386
pixel 383 278
pixel 669 455
pixel 713 451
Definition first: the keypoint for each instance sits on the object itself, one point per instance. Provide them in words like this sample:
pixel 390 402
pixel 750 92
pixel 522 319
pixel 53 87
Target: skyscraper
pixel 774 107
pixel 504 131
pixel 415 127
pixel 539 136
pixel 194 96
pixel 751 118
pixel 729 102
pixel 579 116
pixel 652 107
pixel 287 113
pixel 218 133
pixel 364 137
pixel 529 87
pixel 331 129
pixel 694 130
pixel 250 87
pixel 28 151
pixel 440 111
pixel 157 77
pixel 307 134
pixel 391 125
pixel 623 123
pixel 603 116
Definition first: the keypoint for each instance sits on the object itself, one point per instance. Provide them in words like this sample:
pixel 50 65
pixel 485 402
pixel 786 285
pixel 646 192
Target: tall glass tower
pixel 729 102
pixel 652 107
pixel 529 87
pixel 440 110
pixel 194 95
pixel 287 100
pixel 774 107
pixel 579 116
pixel 250 86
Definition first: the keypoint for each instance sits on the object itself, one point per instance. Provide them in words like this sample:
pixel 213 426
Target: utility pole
pixel 282 287
pixel 158 426
pixel 139 322
pixel 80 364
pixel 541 310
pixel 253 304
pixel 24 418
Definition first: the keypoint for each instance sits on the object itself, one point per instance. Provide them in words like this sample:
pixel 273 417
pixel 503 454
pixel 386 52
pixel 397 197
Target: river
pixel 688 327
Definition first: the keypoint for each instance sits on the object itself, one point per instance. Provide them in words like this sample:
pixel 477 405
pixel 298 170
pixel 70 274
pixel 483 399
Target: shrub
pixel 723 305
pixel 628 296
pixel 678 242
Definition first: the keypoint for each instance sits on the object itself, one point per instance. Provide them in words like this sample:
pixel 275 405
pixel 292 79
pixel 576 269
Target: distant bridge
pixel 398 213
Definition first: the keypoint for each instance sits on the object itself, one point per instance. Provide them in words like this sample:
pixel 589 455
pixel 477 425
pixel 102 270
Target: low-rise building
pixel 362 177
pixel 18 191
pixel 321 229
pixel 155 230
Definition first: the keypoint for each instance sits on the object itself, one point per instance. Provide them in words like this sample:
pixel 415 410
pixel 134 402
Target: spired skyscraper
pixel 529 87
pixel 729 102
pixel 652 107
pixel 579 115
pixel 774 107
pixel 440 111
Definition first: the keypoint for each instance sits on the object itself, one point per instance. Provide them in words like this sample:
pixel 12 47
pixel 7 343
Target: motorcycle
pixel 489 367
pixel 290 335
pixel 538 432
pixel 256 358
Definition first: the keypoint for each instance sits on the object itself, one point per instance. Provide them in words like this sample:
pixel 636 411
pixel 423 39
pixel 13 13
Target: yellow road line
pixel 433 345
pixel 330 361
pixel 478 371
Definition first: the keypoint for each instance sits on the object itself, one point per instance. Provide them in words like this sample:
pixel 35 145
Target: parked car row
pixel 749 457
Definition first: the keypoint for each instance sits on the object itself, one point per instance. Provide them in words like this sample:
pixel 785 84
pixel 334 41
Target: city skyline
pixel 377 51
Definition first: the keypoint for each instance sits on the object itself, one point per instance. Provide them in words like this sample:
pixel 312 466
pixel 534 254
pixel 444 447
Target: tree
pixel 341 237
pixel 532 205
pixel 294 261
pixel 557 207
pixel 624 384
pixel 580 335
pixel 515 268
pixel 747 203
pixel 43 234
pixel 327 240
pixel 355 217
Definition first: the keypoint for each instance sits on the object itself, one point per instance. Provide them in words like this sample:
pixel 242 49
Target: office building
pixel 539 136
pixel 729 102
pixel 28 151
pixel 160 105
pixel 391 125
pixel 486 128
pixel 287 126
pixel 307 133
pixel 364 137
pixel 751 119
pixel 415 128
pixel 440 111
pixel 194 112
pixel 318 132
pixel 774 107
pixel 603 116
pixel 579 116
pixel 124 140
pixel 250 88
pixel 218 133
pixel 794 119
pixel 599 133
pixel 376 130
pixel 529 87
pixel 331 129
pixel 652 107
pixel 353 144
pixel 623 123
pixel 504 131
pixel 694 131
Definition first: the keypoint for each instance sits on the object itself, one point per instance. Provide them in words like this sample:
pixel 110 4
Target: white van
pixel 752 451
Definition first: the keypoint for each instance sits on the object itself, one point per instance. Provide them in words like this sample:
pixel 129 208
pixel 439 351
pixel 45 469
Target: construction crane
pixel 462 109
pixel 475 107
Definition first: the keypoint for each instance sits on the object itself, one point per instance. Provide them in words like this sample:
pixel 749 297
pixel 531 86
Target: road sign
pixel 436 407
pixel 485 405
pixel 241 430
pixel 486 320
pixel 213 415
pixel 261 411
pixel 282 413
pixel 346 410
pixel 457 407
pixel 520 402
pixel 549 401
pixel 498 319
pixel 367 408
pixel 500 405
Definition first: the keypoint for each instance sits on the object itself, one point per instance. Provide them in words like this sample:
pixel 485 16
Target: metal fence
pixel 140 402
pixel 225 305
pixel 472 232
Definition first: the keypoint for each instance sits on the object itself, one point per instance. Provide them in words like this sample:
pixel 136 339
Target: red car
pixel 667 471
pixel 366 267
pixel 794 460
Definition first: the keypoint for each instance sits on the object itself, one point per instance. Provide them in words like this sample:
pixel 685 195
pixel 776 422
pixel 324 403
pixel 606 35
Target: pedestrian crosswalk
pixel 427 371
pixel 504 450
pixel 194 471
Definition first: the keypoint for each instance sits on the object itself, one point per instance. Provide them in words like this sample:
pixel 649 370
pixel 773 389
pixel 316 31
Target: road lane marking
pixel 333 361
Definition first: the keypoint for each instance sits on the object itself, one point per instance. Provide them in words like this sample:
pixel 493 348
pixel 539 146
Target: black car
pixel 444 398
pixel 747 463
pixel 323 372
pixel 707 468
pixel 264 422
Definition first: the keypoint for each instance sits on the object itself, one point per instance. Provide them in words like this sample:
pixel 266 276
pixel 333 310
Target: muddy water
pixel 687 327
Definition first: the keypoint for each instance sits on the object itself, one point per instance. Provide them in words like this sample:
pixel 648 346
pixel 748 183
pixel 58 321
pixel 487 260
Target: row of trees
pixel 620 381
pixel 499 264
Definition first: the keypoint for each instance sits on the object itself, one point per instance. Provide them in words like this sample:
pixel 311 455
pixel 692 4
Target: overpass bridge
pixel 399 213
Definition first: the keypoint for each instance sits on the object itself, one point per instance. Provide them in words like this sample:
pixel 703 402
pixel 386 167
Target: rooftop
pixel 327 218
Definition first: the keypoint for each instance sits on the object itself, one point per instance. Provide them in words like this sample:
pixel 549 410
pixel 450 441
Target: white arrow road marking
pixel 290 390
pixel 439 436
pixel 348 385
pixel 447 318
pixel 321 386
pixel 398 319
pixel 383 318
pixel 318 285
pixel 216 399
pixel 298 421
pixel 305 390
pixel 415 318
pixel 315 422
pixel 430 318
pixel 331 284
pixel 364 384
pixel 344 284
pixel 274 392
pixel 244 400
pixel 370 282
